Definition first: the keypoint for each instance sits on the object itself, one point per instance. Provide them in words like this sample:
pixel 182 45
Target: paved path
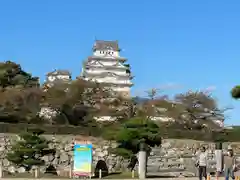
pixel 194 178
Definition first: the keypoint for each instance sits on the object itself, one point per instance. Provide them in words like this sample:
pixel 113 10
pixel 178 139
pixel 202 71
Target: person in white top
pixel 202 163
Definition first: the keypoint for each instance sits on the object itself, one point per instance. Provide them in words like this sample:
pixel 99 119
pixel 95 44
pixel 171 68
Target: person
pixel 132 163
pixel 229 164
pixel 202 163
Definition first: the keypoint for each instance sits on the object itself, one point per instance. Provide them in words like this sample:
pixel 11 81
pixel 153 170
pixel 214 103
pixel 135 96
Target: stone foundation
pixel 174 158
pixel 63 158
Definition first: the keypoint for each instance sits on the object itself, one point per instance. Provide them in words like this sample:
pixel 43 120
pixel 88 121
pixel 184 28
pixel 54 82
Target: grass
pixel 31 175
pixel 117 175
pixel 123 175
pixel 128 175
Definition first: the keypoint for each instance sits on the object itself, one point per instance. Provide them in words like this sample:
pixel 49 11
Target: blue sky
pixel 185 44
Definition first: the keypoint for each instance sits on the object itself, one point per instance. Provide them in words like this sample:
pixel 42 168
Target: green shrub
pixel 131 133
pixel 29 150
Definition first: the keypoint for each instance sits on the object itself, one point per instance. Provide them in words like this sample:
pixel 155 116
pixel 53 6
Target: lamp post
pixel 142 159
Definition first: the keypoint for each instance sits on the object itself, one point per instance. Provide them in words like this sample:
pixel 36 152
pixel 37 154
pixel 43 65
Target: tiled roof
pixel 107 74
pixel 59 72
pixel 104 58
pixel 103 45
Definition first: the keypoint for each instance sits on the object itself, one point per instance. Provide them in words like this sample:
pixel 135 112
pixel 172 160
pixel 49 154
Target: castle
pixel 107 67
pixel 104 66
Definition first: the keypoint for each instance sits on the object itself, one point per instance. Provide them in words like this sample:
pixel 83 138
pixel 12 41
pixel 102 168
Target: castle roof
pixel 107 74
pixel 107 58
pixel 104 45
pixel 59 72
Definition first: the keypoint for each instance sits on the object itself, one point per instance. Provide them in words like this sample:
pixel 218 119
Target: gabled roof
pixel 97 62
pixel 110 58
pixel 59 72
pixel 107 74
pixel 104 45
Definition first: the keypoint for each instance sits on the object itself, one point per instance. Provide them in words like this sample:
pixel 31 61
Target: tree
pixel 199 109
pixel 129 135
pixel 68 100
pixel 11 75
pixel 235 92
pixel 29 150
pixel 20 94
pixel 152 93
pixel 79 101
pixel 20 105
pixel 155 106
pixel 117 106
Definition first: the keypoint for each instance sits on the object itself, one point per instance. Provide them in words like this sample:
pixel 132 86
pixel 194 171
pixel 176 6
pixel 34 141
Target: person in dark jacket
pixel 133 162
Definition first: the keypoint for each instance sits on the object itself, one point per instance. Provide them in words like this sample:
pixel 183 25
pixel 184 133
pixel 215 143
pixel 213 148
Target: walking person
pixel 229 165
pixel 132 163
pixel 202 163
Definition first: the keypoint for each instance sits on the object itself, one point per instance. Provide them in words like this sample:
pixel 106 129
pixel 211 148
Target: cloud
pixel 159 88
pixel 210 88
pixel 170 86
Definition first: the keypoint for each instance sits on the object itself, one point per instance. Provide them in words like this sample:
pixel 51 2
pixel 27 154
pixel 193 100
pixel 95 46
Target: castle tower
pixel 107 67
pixel 57 77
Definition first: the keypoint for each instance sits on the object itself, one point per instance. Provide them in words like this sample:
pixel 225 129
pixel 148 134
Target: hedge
pixel 50 129
pixel 223 136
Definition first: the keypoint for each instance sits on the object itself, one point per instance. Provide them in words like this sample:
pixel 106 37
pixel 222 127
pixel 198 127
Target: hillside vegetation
pixel 70 108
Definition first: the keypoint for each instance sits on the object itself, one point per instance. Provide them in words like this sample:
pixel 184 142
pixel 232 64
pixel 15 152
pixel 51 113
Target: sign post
pixel 82 166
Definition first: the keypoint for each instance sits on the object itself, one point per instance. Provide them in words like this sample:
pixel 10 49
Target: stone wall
pixel 174 158
pixel 178 157
pixel 63 158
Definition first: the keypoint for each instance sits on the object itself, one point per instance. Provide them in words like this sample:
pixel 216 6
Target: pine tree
pixel 129 135
pixel 29 150
pixel 235 92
